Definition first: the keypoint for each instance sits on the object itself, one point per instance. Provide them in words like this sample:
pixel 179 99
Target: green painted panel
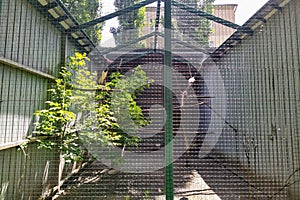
pixel 262 86
pixel 22 94
pixel 3 25
pixel 0 8
pixel 27 175
pixel 28 37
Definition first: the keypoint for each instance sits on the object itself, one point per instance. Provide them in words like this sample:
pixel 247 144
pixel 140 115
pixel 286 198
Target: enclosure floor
pixel 204 179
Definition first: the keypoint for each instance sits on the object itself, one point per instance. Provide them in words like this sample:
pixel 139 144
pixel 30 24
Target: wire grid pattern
pixel 256 155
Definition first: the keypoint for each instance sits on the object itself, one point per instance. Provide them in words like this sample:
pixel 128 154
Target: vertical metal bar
pixel 43 50
pixel 63 49
pixel 7 5
pixel 26 38
pixel 0 8
pixel 3 25
pixel 30 40
pixel 14 33
pixel 34 39
pixel 169 181
pixel 50 61
pixel 39 43
pixel 157 23
pixel 22 30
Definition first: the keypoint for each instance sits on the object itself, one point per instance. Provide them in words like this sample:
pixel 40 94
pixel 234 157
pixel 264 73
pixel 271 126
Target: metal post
pixel 0 8
pixel 157 23
pixel 169 179
pixel 63 49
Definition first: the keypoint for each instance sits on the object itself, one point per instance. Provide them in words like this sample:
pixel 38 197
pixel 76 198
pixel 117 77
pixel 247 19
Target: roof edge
pixel 61 18
pixel 259 18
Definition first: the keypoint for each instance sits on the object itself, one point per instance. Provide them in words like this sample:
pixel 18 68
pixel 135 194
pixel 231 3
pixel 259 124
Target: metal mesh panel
pixel 230 92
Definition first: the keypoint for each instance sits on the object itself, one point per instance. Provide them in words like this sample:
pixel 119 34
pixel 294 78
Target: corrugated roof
pixel 62 19
pixel 59 15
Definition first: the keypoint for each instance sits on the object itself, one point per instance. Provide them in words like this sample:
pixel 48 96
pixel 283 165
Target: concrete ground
pixel 202 179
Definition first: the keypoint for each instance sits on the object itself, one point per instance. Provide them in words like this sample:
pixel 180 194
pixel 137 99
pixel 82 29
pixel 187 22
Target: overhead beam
pixel 127 44
pixel 277 7
pixel 186 44
pixel 110 16
pixel 159 34
pixel 62 18
pixel 25 68
pixel 50 6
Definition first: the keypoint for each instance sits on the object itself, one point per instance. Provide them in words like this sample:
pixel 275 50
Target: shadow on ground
pixel 200 179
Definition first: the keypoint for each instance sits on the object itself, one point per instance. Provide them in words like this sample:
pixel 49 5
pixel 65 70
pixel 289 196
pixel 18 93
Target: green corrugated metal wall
pixel 262 79
pixel 27 40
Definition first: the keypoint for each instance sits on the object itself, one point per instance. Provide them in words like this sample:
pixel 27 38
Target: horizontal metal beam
pixel 110 16
pixel 16 65
pixel 62 18
pixel 50 6
pixel 67 12
pixel 261 19
pixel 206 15
pixel 18 143
pixel 80 38
pixel 127 44
pixel 12 144
pixel 85 45
pixel 186 44
pixel 276 6
pixel 191 46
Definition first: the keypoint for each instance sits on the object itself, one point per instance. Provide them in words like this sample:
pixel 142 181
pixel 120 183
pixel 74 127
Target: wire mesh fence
pixel 211 107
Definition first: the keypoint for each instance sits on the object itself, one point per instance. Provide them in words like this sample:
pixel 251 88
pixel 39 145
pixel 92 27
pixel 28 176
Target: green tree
pixel 80 109
pixel 132 20
pixel 203 30
pixel 132 23
pixel 197 28
pixel 84 11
